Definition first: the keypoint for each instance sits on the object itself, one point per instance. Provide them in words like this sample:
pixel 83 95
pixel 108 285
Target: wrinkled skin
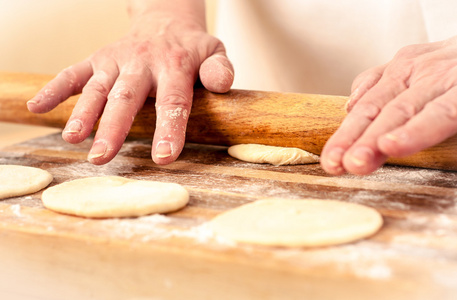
pixel 397 109
pixel 162 56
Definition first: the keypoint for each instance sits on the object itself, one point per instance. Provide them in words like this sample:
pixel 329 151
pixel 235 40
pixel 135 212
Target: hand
pixel 397 109
pixel 161 57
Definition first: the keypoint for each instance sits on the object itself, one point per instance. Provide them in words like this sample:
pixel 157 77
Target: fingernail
pixel 163 149
pixel 229 70
pixel 35 100
pixel 98 149
pixel 74 127
pixel 225 66
pixel 396 137
pixel 361 156
pixel 335 156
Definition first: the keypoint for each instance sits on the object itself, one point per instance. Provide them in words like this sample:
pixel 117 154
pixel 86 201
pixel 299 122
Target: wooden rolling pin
pixel 239 116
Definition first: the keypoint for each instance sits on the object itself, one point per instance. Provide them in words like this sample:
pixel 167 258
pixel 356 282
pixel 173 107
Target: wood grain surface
pixel 239 116
pixel 46 255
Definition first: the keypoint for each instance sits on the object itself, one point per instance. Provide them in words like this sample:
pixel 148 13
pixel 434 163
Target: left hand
pixel 161 56
pixel 397 109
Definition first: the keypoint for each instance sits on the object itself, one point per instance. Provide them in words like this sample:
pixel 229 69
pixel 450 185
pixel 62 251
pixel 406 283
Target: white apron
pixel 319 46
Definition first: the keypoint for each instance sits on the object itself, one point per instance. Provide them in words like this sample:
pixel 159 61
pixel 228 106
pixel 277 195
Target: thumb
pixel 216 73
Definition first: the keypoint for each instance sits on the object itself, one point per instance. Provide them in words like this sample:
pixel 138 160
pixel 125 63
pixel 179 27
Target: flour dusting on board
pixel 86 169
pixel 16 209
pixel 360 261
pixel 158 227
pixel 364 260
pixel 128 228
pixel 413 176
pixel 202 234
pixel 367 197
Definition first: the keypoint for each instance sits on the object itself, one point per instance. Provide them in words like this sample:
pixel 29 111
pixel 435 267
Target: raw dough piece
pixel 305 222
pixel 271 154
pixel 113 196
pixel 21 180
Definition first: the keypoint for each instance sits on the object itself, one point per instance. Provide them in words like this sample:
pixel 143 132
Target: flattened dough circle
pixel 21 180
pixel 277 156
pixel 114 196
pixel 305 222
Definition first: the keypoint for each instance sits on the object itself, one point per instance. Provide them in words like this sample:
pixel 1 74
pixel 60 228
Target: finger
pixel 90 104
pixel 216 73
pixel 67 83
pixel 362 84
pixel 394 114
pixel 173 104
pixel 435 123
pixel 355 124
pixel 124 101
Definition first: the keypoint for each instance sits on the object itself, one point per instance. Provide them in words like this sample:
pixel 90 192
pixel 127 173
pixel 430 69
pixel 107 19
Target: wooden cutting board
pixel 46 255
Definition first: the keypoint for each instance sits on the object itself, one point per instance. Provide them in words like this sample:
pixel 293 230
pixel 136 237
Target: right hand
pixel 397 109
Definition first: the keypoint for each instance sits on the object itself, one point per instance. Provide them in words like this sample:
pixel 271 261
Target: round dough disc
pixel 305 222
pixel 272 155
pixel 113 196
pixel 21 180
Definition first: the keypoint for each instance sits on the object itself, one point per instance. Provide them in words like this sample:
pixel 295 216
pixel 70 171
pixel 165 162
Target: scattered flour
pixel 158 227
pixel 128 228
pixel 16 209
pixel 86 169
pixel 177 112
pixel 202 234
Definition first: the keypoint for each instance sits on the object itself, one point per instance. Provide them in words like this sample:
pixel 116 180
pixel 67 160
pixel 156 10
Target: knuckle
pixel 366 80
pixel 175 99
pixel 179 57
pixel 407 52
pixel 441 109
pixel 142 48
pixel 399 72
pixel 69 76
pixel 367 111
pixel 123 94
pixel 405 109
pixel 413 58
pixel 96 87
